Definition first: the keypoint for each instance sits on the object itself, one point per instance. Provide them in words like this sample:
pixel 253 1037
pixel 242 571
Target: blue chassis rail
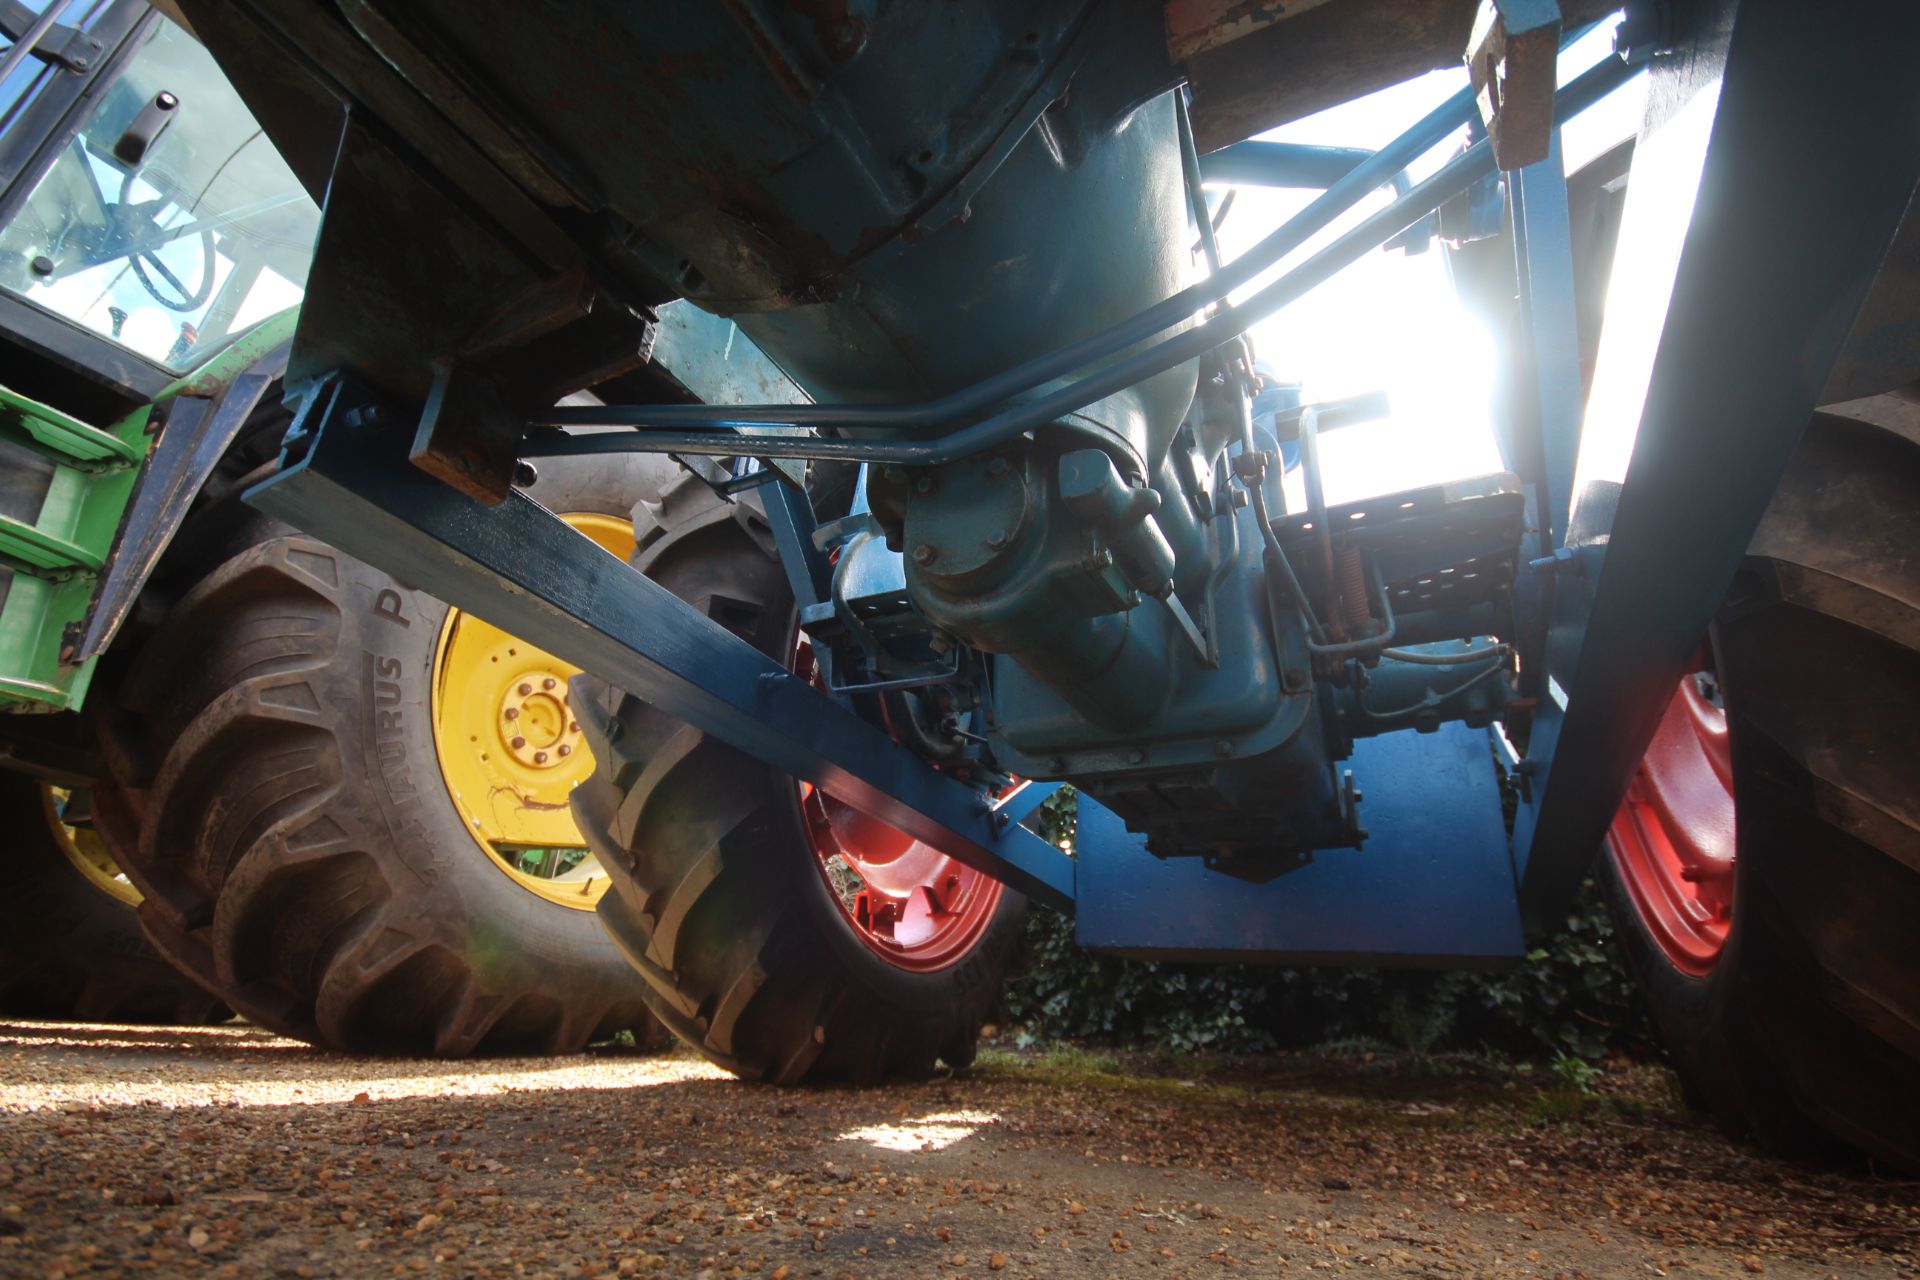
pixel 1669 488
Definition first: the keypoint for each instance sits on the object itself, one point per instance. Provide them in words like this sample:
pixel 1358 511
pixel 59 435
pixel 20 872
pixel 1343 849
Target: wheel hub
pixel 912 904
pixel 1672 840
pixel 536 727
pixel 511 750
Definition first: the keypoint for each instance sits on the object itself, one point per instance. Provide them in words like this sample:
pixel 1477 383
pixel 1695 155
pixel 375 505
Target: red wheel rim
pixel 1672 840
pixel 914 906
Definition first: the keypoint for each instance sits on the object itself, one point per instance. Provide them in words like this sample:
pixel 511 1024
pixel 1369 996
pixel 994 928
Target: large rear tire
pixel 70 945
pixel 723 895
pixel 279 795
pixel 1790 999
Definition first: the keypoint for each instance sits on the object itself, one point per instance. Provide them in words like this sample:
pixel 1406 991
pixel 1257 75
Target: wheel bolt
pixel 924 554
pixel 565 751
pixel 548 683
pixel 513 713
pixel 518 743
pixel 525 688
pixel 539 757
pixel 573 726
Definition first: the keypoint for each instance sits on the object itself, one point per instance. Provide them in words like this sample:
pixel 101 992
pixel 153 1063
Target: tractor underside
pixel 972 243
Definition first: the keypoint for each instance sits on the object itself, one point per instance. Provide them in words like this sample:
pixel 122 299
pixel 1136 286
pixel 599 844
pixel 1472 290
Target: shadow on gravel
pixel 164 1150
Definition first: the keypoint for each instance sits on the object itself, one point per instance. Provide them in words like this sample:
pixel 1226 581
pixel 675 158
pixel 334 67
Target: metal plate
pixel 1434 884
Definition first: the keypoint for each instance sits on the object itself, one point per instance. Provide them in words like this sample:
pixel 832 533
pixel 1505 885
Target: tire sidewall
pixel 392 635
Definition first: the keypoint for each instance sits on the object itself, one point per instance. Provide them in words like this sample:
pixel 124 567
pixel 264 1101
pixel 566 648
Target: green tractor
pixel 184 682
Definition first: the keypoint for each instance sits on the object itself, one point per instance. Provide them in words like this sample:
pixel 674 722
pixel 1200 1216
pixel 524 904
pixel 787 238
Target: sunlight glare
pixel 935 1132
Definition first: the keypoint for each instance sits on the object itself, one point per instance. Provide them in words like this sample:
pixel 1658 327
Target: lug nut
pixel 518 743
pixel 548 683
pixel 925 554
pixel 525 688
pixel 539 757
pixel 512 713
pixel 565 750
pixel 573 726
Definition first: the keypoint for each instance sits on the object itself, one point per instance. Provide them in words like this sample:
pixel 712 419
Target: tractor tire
pixel 1790 1002
pixel 722 895
pixel 70 945
pixel 282 791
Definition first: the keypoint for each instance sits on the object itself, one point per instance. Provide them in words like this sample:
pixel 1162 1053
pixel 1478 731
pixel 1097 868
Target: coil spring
pixel 1353 590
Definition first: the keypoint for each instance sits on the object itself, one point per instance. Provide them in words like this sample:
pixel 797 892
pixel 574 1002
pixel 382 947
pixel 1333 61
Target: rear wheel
pixel 785 935
pixel 1765 867
pixel 70 945
pixel 346 805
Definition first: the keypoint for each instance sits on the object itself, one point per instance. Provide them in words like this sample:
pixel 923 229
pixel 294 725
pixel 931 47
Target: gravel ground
pixel 228 1152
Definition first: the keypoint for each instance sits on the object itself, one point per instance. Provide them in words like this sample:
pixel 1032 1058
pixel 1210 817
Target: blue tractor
pixel 1022 525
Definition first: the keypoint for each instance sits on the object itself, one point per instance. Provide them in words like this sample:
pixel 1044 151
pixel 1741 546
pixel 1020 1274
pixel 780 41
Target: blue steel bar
pixel 1550 340
pixel 524 569
pixel 1280 164
pixel 1731 294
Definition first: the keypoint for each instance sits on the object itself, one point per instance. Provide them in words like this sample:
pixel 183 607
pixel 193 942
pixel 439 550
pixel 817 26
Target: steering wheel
pixel 183 299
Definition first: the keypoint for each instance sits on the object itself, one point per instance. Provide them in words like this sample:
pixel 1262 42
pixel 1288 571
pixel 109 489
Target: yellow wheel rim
pixel 510 747
pixel 84 848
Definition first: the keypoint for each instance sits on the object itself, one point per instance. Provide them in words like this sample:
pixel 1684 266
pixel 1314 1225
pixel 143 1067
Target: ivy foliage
pixel 1572 995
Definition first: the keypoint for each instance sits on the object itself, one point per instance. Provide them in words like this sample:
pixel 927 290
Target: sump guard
pixel 1433 886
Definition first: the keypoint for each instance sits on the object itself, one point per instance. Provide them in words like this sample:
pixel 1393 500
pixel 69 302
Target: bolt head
pixel 512 713
pixel 517 743
pixel 923 484
pixel 525 688
pixel 997 539
pixel 564 750
pixel 548 683
pixel 573 726
pixel 925 554
pixel 539 757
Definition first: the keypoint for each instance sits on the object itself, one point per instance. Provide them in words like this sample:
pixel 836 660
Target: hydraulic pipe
pixel 1280 164
pixel 1196 198
pixel 1453 179
pixel 1375 172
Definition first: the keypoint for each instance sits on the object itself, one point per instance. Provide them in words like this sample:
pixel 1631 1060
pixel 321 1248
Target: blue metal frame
pixel 1549 335
pixel 1433 884
pixel 522 566
pixel 1780 150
